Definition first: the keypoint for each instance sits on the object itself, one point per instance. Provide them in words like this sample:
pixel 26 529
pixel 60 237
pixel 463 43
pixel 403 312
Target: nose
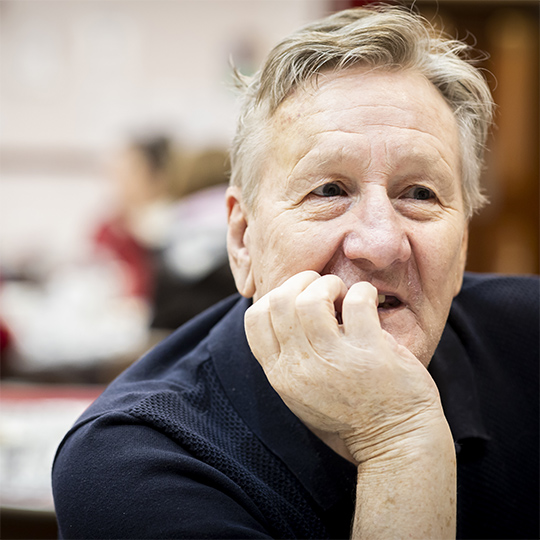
pixel 375 233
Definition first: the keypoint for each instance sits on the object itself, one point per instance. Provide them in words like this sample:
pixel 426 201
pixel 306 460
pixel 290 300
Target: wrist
pixel 415 480
pixel 402 443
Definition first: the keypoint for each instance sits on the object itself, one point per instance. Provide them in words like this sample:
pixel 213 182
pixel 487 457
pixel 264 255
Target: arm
pixel 116 478
pixel 410 494
pixel 357 387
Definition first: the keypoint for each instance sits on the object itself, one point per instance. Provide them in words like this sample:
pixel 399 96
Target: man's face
pixel 362 180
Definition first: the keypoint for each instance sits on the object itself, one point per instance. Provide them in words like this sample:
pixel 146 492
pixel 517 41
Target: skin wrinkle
pixel 308 155
pixel 305 241
pixel 305 185
pixel 303 100
pixel 408 128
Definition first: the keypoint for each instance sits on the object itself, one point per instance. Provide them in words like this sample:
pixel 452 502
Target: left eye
pixel 419 193
pixel 329 190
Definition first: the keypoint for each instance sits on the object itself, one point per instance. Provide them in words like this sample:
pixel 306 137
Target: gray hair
pixel 384 36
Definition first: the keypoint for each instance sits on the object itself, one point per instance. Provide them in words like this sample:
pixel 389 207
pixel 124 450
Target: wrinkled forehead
pixel 359 100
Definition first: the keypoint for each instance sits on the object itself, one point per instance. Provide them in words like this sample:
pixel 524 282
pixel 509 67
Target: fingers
pixel 316 307
pixel 260 333
pixel 299 316
pixel 360 318
pixel 271 323
pixel 285 321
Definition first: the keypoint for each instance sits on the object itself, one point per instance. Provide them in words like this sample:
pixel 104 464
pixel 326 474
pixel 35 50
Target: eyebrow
pixel 317 163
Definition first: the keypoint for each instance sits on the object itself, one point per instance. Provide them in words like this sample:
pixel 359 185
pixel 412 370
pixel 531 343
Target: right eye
pixel 329 190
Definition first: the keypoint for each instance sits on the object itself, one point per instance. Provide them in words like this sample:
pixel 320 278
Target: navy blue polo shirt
pixel 192 442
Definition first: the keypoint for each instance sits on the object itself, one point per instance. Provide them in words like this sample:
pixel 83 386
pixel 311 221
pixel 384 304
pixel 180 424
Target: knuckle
pixel 256 312
pixel 250 318
pixel 304 302
pixel 332 278
pixel 278 299
pixel 310 275
pixel 361 293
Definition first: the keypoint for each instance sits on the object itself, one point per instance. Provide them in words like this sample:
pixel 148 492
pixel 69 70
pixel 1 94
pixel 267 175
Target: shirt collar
pixel 452 371
pixel 327 476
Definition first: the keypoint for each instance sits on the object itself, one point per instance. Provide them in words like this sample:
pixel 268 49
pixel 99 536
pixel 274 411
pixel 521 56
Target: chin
pixel 414 340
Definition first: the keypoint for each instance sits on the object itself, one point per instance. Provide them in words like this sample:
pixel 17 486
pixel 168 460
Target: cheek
pixel 438 254
pixel 285 248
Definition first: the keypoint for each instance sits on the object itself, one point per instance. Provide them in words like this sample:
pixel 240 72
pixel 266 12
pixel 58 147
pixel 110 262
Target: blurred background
pixel 115 121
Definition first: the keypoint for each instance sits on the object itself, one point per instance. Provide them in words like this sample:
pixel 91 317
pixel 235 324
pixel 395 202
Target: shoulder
pixel 132 461
pixel 120 477
pixel 173 375
pixel 499 287
pixel 497 318
pixel 493 293
pixel 173 365
pixel 499 299
pixel 496 322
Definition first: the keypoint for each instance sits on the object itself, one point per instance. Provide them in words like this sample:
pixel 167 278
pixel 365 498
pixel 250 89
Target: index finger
pixel 360 318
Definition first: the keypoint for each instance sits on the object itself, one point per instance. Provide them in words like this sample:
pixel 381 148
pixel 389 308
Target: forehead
pixel 402 105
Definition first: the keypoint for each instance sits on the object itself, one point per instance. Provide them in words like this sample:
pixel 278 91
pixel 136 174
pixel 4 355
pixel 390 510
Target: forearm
pixel 410 491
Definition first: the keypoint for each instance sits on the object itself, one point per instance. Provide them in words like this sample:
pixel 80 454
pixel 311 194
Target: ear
pixel 462 258
pixel 238 242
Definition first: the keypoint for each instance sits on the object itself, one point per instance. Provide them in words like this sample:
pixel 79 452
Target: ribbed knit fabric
pixel 205 424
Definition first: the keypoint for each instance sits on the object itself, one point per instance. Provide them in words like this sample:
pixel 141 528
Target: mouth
pixel 388 302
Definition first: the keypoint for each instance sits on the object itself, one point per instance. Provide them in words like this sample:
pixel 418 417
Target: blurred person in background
pixel 363 385
pixel 169 229
pixel 141 173
pixel 157 260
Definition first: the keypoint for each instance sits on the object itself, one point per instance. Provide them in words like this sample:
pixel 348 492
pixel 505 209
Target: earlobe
pixel 238 242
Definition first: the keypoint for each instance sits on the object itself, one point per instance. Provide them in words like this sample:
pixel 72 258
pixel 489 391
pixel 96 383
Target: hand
pixel 351 379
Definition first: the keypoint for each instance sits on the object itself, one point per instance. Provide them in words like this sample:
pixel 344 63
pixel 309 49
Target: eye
pixel 419 193
pixel 329 190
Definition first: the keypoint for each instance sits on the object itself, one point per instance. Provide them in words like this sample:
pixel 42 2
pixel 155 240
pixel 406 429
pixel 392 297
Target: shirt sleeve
pixel 116 478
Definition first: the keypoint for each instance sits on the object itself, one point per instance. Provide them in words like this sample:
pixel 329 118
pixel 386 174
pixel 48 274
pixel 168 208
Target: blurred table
pixel 33 420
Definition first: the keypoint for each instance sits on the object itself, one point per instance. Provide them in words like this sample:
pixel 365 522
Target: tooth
pixel 382 298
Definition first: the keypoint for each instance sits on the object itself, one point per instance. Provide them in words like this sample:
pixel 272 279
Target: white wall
pixel 76 76
pixel 77 72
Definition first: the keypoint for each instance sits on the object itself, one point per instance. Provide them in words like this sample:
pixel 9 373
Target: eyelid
pixel 319 188
pixel 420 186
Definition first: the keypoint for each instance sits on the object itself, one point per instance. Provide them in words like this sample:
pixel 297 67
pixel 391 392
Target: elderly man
pixel 372 399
